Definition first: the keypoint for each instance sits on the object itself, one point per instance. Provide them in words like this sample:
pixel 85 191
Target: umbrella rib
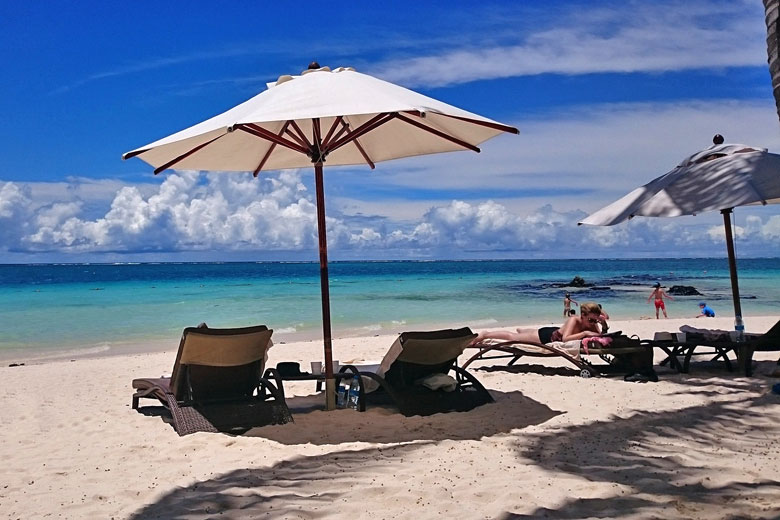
pixel 359 146
pixel 316 150
pixel 336 122
pixel 369 125
pixel 298 135
pixel 259 131
pixel 438 132
pixel 337 136
pixel 488 124
pixel 185 155
pixel 315 129
pixel 269 151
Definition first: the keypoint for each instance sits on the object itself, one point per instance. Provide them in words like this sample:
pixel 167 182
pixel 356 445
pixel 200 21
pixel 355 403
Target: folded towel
pixel 438 382
pixel 710 334
pixel 572 348
pixel 598 341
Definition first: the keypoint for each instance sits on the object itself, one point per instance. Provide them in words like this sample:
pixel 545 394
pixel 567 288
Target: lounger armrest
pixel 273 374
pixel 464 377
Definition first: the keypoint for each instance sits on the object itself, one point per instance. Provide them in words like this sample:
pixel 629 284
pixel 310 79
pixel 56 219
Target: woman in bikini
pixel 567 301
pixel 584 326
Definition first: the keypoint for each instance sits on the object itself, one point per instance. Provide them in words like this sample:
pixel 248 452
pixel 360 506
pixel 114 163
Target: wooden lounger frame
pixel 514 351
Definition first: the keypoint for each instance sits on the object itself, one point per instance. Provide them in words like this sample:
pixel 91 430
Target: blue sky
pixel 607 95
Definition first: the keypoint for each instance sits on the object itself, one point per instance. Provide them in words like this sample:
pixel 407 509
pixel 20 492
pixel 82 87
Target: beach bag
pixel 639 362
pixel 623 341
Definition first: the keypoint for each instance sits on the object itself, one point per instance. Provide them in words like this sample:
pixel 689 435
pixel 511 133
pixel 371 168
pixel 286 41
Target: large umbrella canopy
pixel 334 117
pixel 720 177
pixel 351 118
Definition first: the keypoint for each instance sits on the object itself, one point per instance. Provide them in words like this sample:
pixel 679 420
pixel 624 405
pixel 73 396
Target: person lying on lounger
pixel 584 326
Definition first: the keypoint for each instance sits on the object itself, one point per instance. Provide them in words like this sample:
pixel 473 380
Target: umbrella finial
pixel 718 139
pixel 314 65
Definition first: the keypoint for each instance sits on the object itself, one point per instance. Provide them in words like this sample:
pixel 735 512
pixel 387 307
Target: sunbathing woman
pixel 585 326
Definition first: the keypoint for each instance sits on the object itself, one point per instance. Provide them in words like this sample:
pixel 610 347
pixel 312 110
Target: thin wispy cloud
pixel 639 37
pixel 163 62
pixel 636 37
pixel 600 151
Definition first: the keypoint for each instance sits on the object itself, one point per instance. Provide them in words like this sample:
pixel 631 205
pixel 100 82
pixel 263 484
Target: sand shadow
pixel 384 424
pixel 527 368
pixel 304 487
pixel 313 486
pixel 548 370
pixel 665 463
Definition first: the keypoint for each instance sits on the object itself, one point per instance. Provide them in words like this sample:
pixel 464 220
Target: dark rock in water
pixel 577 281
pixel 684 290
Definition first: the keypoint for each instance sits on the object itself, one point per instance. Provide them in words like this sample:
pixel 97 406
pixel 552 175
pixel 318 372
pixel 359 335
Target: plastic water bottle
pixel 739 326
pixel 354 393
pixel 342 393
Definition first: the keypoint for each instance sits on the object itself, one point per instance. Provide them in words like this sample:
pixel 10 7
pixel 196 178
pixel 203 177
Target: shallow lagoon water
pixel 95 307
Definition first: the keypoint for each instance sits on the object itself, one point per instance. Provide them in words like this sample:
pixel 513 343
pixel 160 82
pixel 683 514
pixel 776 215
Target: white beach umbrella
pixel 720 177
pixel 322 117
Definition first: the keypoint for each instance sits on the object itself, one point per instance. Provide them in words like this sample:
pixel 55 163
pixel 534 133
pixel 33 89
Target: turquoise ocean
pixel 86 308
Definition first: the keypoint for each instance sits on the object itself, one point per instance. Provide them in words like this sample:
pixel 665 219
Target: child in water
pixel 706 310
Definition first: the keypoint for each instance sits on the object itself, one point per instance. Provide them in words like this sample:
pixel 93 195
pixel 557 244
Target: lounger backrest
pixel 770 340
pixel 416 355
pixel 220 363
pixel 435 347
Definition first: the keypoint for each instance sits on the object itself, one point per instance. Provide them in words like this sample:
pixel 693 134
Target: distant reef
pixel 684 290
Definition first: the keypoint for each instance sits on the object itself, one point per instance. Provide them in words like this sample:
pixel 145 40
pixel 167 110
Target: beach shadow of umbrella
pixel 308 486
pixel 379 424
pixel 290 488
pixel 666 463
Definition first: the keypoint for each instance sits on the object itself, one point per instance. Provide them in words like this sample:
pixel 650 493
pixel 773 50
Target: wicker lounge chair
pixel 216 382
pixel 630 357
pixel 412 358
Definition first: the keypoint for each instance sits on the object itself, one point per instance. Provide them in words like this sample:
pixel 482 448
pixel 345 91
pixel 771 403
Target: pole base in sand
pixel 330 394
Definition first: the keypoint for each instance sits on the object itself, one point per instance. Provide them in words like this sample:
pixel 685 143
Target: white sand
pixel 698 445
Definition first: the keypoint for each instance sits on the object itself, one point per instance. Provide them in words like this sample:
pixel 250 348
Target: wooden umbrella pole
pixel 330 384
pixel 739 325
pixel 732 264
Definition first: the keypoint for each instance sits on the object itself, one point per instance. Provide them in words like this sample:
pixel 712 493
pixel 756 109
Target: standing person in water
pixel 659 294
pixel 584 326
pixel 567 301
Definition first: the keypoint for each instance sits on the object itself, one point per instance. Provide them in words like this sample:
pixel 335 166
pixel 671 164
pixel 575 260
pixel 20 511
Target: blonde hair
pixel 590 308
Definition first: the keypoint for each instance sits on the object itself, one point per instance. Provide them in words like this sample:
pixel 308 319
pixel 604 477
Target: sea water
pixel 96 307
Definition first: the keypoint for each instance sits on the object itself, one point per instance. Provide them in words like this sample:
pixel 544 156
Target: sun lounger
pixel 631 357
pixel 767 342
pixel 722 344
pixel 418 362
pixel 216 382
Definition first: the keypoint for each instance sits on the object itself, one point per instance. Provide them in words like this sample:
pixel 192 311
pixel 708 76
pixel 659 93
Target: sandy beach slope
pixel 698 445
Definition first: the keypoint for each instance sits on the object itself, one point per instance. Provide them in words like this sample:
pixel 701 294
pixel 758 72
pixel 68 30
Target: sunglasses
pixel 593 320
